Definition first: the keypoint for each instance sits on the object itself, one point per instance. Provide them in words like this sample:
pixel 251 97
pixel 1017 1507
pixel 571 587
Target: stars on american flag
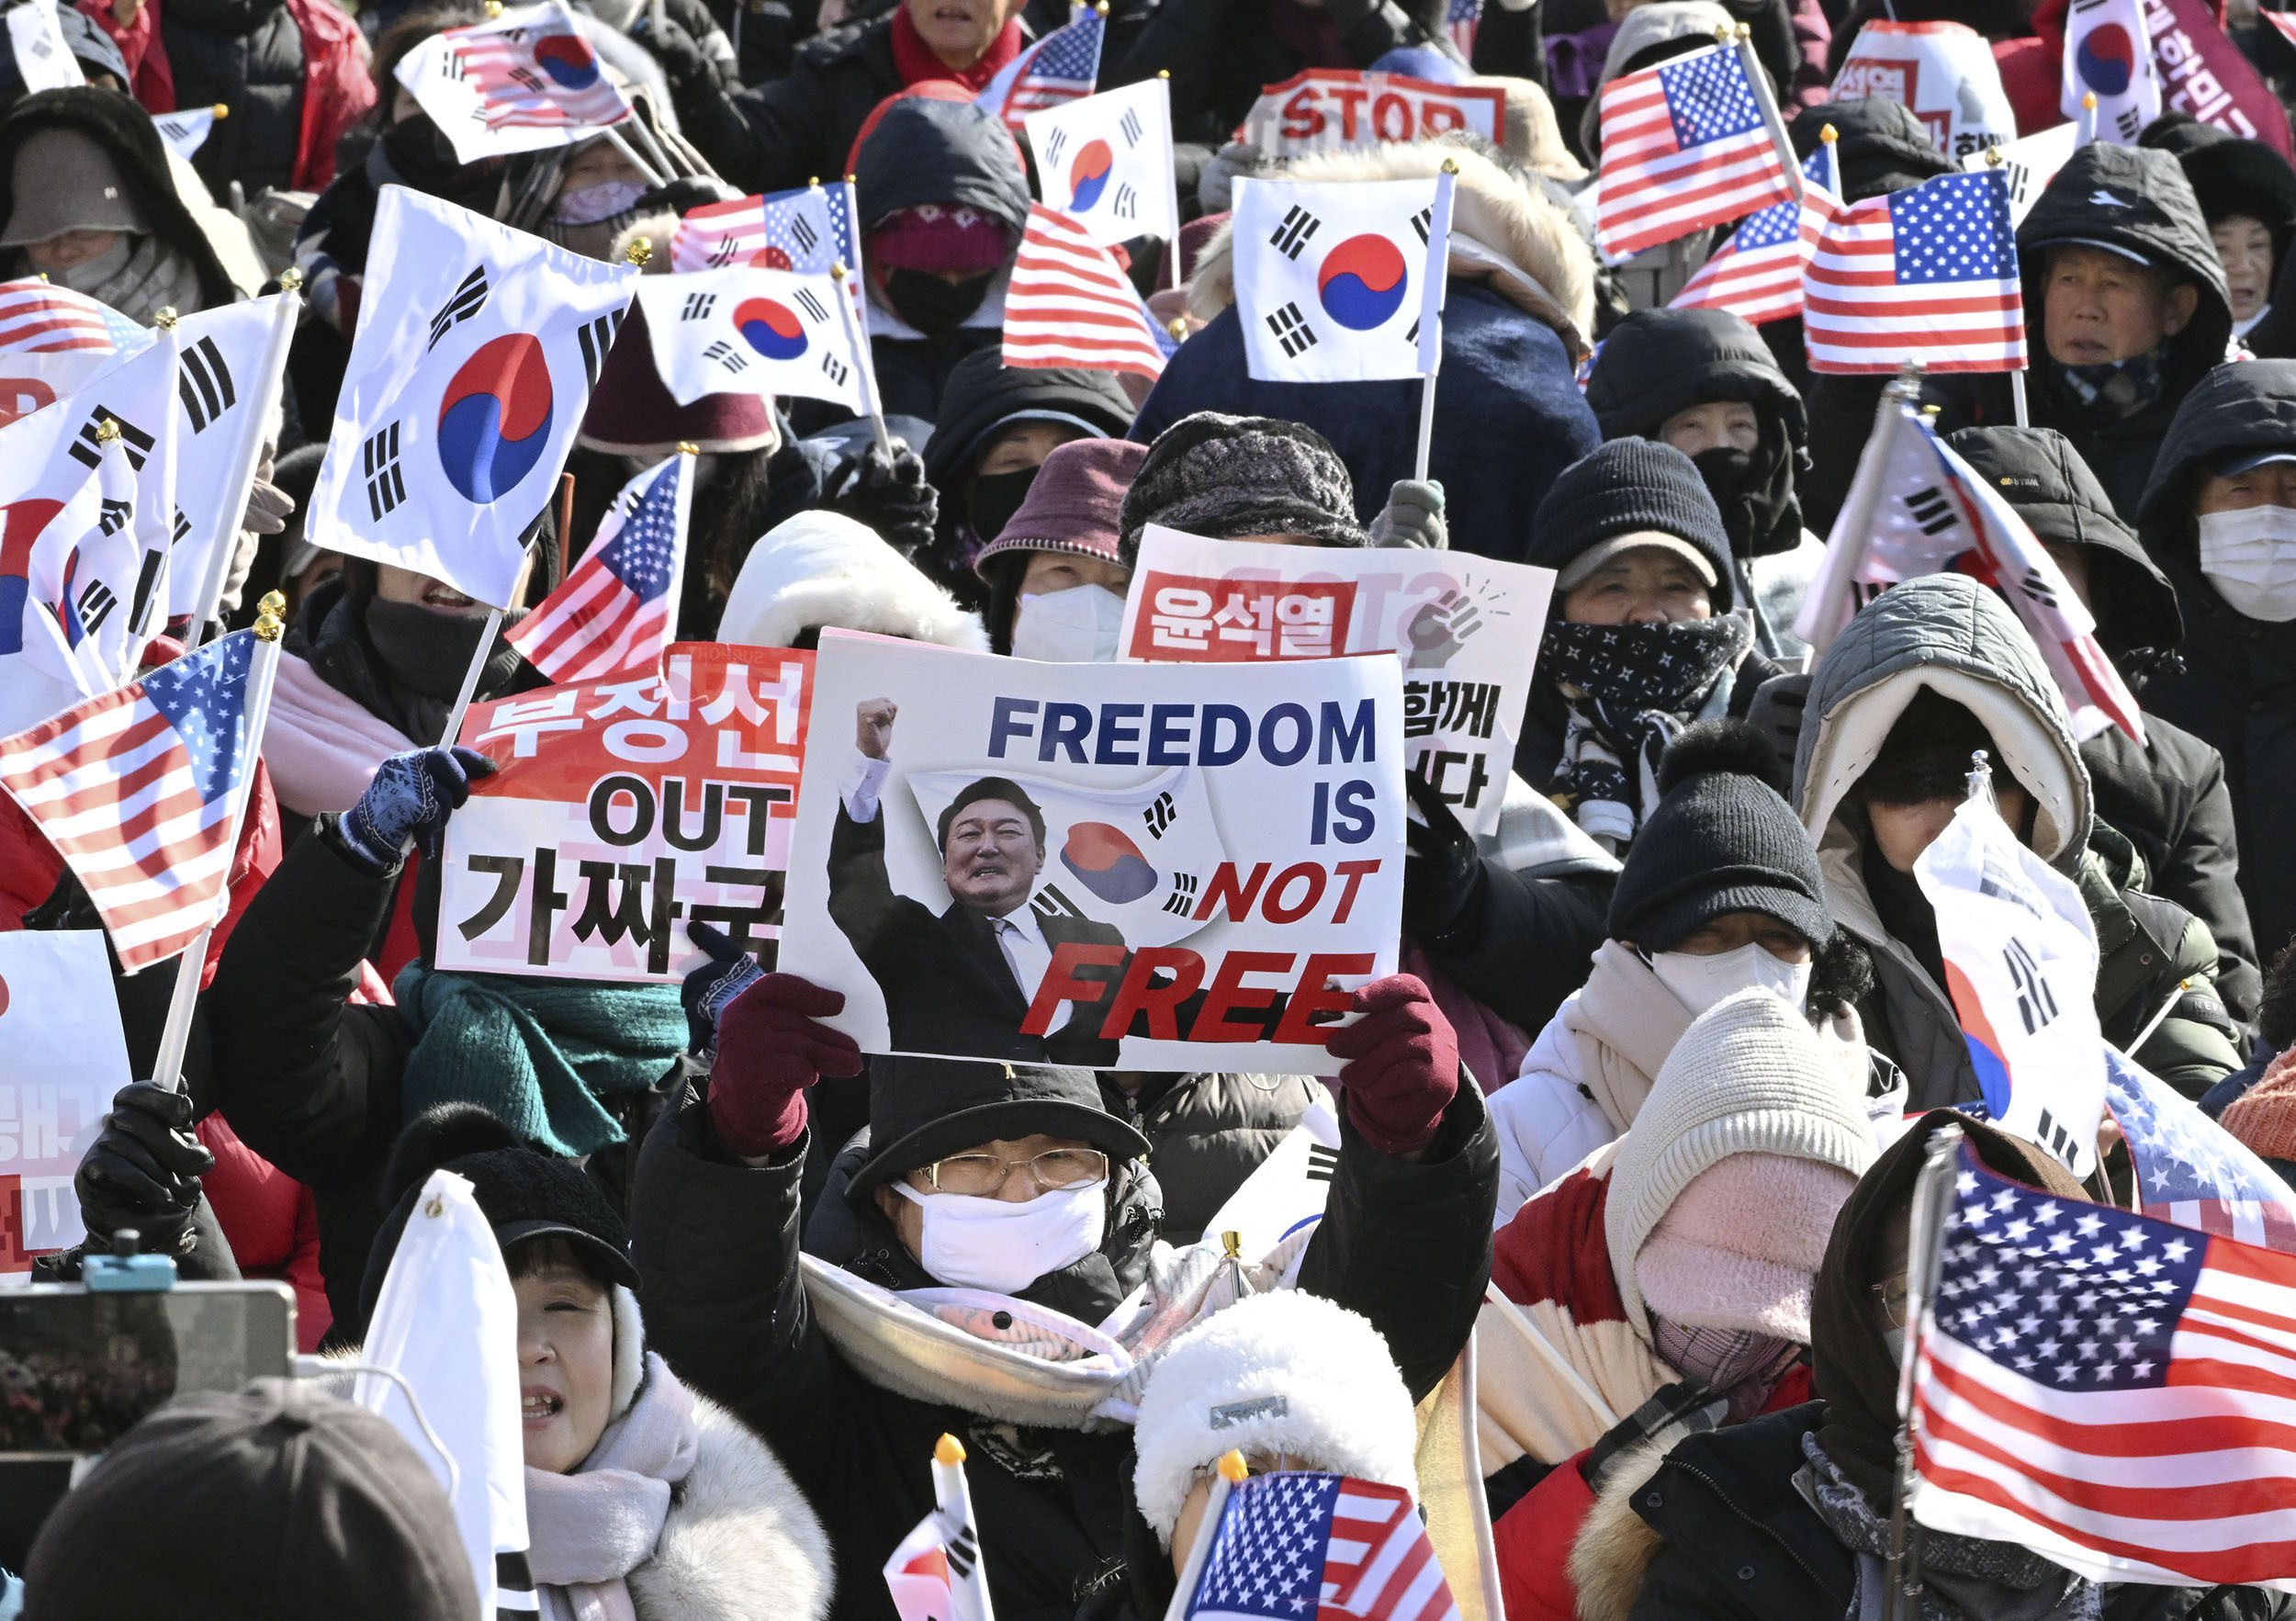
pixel 643 555
pixel 205 700
pixel 1953 228
pixel 1268 1561
pixel 1709 98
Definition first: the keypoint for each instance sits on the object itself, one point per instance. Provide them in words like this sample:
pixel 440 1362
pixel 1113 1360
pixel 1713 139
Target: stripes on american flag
pixel 2113 1391
pixel 806 230
pixel 1463 19
pixel 1685 144
pixel 1064 66
pixel 36 318
pixel 1299 1545
pixel 503 64
pixel 2191 1170
pixel 615 610
pixel 1069 304
pixel 139 791
pixel 1758 273
pixel 1926 275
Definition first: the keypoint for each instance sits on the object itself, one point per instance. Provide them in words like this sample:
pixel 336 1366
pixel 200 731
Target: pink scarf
pixel 588 1530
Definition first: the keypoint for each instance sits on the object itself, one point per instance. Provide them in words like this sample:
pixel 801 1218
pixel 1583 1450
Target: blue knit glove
pixel 409 801
pixel 707 989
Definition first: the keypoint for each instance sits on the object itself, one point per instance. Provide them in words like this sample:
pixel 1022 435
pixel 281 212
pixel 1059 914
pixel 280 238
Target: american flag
pixel 807 231
pixel 1758 273
pixel 2191 1170
pixel 2107 1389
pixel 39 319
pixel 1308 1546
pixel 1069 304
pixel 1686 144
pixel 1064 66
pixel 140 791
pixel 615 611
pixel 1926 275
pixel 1463 20
pixel 531 69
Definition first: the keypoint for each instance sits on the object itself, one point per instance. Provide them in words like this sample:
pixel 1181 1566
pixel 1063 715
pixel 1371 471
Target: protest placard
pixel 62 1057
pixel 1467 629
pixel 1115 867
pixel 1943 73
pixel 620 811
pixel 1320 108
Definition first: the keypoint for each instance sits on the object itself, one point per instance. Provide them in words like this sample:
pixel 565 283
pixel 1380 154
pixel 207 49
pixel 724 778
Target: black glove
pixel 1443 871
pixel 144 1169
pixel 1778 710
pixel 684 61
pixel 890 495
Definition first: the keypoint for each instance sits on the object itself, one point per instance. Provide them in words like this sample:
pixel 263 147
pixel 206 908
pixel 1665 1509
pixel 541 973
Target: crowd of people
pixel 1638 1123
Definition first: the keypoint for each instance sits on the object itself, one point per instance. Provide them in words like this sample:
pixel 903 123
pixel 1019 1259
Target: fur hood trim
pixel 822 568
pixel 657 227
pixel 742 1543
pixel 1615 1545
pixel 1503 234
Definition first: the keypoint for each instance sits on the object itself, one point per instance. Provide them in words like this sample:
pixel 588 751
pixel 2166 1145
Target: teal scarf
pixel 538 1052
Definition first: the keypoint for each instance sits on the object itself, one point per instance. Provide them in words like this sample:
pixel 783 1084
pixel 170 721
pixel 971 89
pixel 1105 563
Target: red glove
pixel 1402 1063
pixel 769 1051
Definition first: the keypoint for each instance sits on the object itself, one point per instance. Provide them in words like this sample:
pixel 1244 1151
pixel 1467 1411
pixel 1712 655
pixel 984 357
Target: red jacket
pixel 337 87
pixel 273 1223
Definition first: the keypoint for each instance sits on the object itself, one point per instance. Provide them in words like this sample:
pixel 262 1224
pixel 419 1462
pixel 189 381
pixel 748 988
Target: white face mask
pixel 1698 982
pixel 1078 625
pixel 1894 1338
pixel 2249 556
pixel 1004 1247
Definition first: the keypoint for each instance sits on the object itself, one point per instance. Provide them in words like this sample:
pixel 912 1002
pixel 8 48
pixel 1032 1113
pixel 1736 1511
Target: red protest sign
pixel 2202 72
pixel 1320 108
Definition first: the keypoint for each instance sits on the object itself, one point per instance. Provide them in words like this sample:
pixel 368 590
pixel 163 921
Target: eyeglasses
pixel 1055 1170
pixel 1894 1296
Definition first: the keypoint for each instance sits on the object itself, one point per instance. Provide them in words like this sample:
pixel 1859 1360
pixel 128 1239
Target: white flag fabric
pixel 230 370
pixel 2031 163
pixel 525 80
pixel 446 1323
pixel 63 1056
pixel 43 58
pixel 1105 161
pixel 2020 966
pixel 1341 283
pixel 477 350
pixel 186 131
pixel 744 330
pixel 2108 54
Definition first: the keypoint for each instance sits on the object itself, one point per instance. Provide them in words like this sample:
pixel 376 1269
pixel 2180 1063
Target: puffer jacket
pixel 1206 1134
pixel 1947 633
pixel 2237 690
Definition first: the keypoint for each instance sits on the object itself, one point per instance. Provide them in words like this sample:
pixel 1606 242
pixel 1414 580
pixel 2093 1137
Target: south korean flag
pixel 477 350
pixel 1341 282
pixel 749 331
pixel 1105 161
pixel 231 362
pixel 184 133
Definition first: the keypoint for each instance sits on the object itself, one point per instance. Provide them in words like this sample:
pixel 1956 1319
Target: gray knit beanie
pixel 1224 476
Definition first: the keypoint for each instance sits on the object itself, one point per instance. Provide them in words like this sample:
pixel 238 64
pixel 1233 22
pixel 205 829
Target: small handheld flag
pixel 522 80
pixel 935 1574
pixel 805 230
pixel 1758 273
pixel 618 606
pixel 2108 55
pixel 1341 282
pixel 1297 1544
pixel 36 318
pixel 186 131
pixel 1069 305
pixel 43 57
pixel 1691 142
pixel 1106 163
pixel 1924 277
pixel 752 331
pixel 2190 1170
pixel 1062 67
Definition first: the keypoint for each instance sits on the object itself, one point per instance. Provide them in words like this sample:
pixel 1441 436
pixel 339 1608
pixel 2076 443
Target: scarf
pixel 2116 390
pixel 1625 1023
pixel 402 683
pixel 1627 688
pixel 322 746
pixel 587 1531
pixel 156 276
pixel 914 62
pixel 538 1052
pixel 1963 1577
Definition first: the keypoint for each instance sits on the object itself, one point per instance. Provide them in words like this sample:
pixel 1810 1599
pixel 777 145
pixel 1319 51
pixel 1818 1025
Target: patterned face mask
pixel 1721 1358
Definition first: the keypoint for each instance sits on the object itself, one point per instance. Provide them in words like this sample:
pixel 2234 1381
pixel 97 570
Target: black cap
pixel 921 1109
pixel 277 1502
pixel 1627 486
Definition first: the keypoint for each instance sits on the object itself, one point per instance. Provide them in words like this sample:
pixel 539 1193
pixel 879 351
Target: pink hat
pixel 1740 1247
pixel 1073 503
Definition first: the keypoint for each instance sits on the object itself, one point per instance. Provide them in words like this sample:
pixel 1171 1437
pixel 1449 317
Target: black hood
pixel 2229 176
pixel 1881 146
pixel 2246 404
pixel 2137 201
pixel 924 150
pixel 2038 472
pixel 983 394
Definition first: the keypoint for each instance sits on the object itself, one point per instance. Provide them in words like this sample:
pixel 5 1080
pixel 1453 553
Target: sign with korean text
pixel 1465 627
pixel 61 1058
pixel 1943 73
pixel 1320 108
pixel 2202 72
pixel 1107 866
pixel 621 811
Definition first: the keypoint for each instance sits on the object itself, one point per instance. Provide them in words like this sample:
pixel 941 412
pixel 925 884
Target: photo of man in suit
pixel 958 982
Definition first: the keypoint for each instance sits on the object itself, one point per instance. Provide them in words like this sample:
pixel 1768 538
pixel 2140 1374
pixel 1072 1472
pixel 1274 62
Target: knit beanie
pixel 1749 1076
pixel 1075 504
pixel 1630 487
pixel 1224 476
pixel 1739 1247
pixel 1286 1372
pixel 1722 839
pixel 2264 1116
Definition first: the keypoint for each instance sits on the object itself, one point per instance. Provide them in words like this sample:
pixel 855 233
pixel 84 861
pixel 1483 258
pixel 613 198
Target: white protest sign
pixel 1943 73
pixel 621 811
pixel 1467 629
pixel 1319 108
pixel 1144 868
pixel 61 1058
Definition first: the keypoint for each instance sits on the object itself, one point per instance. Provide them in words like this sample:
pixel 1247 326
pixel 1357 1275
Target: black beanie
pixel 1722 839
pixel 1625 487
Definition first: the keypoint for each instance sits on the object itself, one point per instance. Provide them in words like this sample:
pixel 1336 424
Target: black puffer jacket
pixel 2237 690
pixel 785 132
pixel 718 1242
pixel 1207 1132
pixel 2166 793
pixel 247 54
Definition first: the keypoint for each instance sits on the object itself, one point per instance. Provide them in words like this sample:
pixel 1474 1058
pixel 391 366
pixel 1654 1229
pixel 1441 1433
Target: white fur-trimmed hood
pixel 822 568
pixel 1502 235
pixel 742 1543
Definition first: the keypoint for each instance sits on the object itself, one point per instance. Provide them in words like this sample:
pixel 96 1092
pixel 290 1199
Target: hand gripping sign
pixel 1110 866
pixel 621 811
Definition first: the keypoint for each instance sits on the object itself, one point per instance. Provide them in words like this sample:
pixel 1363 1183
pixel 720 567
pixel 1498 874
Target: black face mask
pixel 993 498
pixel 1754 490
pixel 1724 469
pixel 425 652
pixel 932 306
pixel 420 150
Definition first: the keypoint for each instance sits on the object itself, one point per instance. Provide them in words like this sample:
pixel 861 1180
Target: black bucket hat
pixel 922 1110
